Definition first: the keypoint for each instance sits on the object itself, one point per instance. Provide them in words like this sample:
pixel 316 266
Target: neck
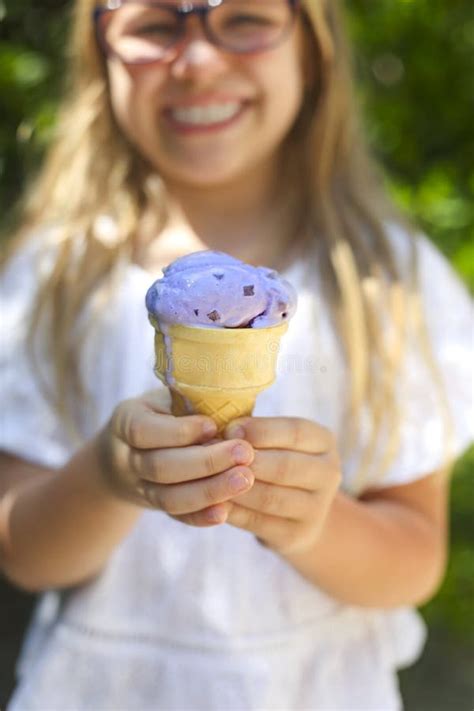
pixel 254 219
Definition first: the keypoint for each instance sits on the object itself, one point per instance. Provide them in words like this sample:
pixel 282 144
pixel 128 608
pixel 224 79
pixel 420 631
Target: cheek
pixel 284 83
pixel 131 94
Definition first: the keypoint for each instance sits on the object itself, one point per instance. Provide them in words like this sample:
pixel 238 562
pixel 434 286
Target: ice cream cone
pixel 216 371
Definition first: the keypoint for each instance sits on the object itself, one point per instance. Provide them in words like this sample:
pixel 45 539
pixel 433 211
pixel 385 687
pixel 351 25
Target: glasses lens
pixel 250 25
pixel 138 32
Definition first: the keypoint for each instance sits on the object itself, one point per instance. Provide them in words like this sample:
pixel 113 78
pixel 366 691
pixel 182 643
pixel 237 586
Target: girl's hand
pixel 297 474
pixel 156 460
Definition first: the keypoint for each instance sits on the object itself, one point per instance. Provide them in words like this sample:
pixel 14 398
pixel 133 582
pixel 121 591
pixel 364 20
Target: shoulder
pixel 416 252
pixel 29 256
pixel 425 269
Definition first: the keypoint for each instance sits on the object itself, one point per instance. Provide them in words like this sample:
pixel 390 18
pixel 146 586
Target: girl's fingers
pixel 277 532
pixel 194 496
pixel 294 433
pixel 140 427
pixel 211 516
pixel 293 504
pixel 173 466
pixel 298 470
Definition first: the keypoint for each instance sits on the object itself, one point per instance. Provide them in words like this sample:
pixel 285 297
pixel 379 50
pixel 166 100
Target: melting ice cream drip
pixel 169 370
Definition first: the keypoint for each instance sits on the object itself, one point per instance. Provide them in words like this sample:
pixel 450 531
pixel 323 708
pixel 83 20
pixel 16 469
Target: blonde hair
pixel 348 212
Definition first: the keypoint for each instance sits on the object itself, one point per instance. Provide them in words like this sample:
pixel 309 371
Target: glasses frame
pixel 182 13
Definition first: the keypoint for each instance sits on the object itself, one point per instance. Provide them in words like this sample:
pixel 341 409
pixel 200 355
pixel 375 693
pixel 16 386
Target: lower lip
pixel 192 129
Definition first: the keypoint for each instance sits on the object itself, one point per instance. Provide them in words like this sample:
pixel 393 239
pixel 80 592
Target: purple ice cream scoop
pixel 214 290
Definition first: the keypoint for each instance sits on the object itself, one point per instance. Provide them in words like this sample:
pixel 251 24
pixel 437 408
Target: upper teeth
pixel 213 113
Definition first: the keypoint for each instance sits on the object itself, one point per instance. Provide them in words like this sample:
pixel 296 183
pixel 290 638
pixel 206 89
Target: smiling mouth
pixel 205 116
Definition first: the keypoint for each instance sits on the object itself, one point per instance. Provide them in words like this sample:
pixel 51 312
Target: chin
pixel 202 176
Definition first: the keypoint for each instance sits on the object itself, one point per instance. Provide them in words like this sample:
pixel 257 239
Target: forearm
pixel 59 529
pixel 375 553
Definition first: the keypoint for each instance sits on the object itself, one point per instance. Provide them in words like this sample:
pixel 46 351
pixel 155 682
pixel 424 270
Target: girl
pixel 276 567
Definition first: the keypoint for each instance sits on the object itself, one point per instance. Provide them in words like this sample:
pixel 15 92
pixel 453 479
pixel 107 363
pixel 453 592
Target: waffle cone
pixel 216 371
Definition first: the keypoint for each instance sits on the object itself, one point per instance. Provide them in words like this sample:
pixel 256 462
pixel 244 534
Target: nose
pixel 197 56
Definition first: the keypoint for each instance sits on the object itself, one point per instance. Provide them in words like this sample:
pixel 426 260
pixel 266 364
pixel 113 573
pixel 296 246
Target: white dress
pixel 189 619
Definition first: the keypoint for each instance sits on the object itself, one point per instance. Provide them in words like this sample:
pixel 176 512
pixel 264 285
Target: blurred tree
pixel 415 64
pixel 32 39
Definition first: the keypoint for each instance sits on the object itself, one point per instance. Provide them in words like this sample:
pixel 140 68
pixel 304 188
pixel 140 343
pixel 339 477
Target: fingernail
pixel 214 516
pixel 238 482
pixel 240 454
pixel 236 432
pixel 209 428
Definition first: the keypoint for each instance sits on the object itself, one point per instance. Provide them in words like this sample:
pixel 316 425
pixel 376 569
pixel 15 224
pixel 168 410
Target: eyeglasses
pixel 140 32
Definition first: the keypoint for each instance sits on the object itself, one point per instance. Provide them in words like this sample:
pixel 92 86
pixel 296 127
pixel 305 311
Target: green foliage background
pixel 414 62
